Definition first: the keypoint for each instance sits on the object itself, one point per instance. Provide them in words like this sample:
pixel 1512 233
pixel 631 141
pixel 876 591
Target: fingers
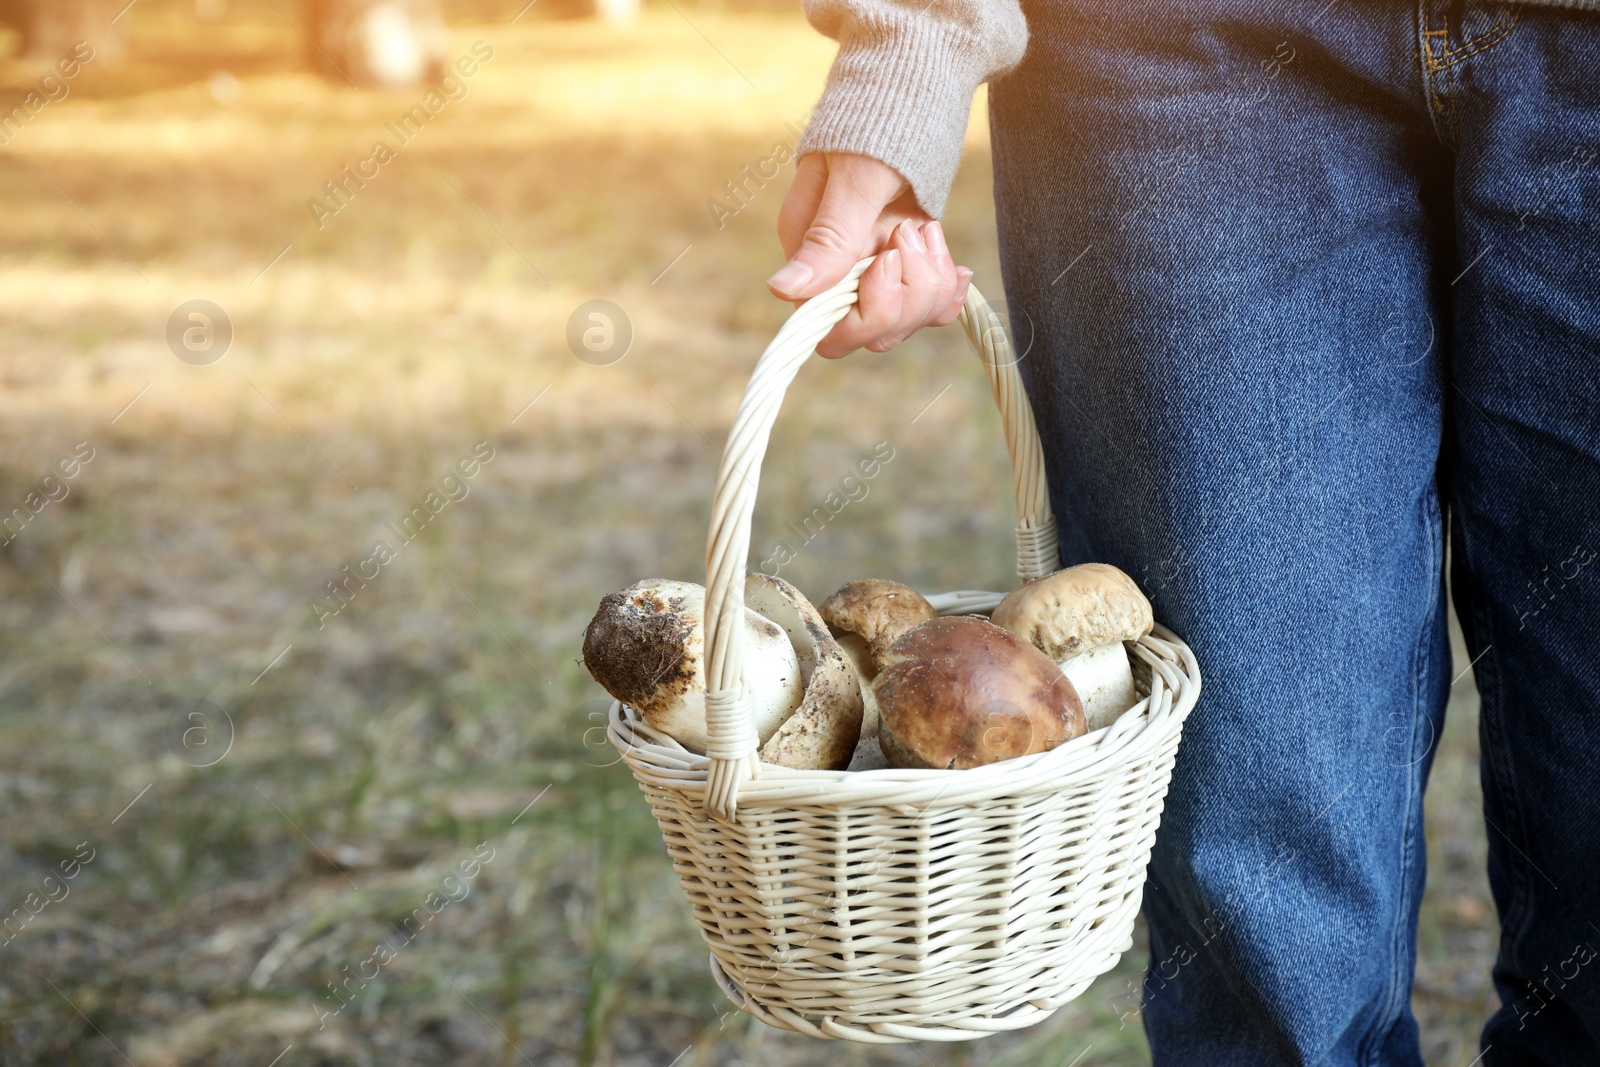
pixel 842 207
pixel 876 312
pixel 830 219
pixel 948 305
pixel 800 202
pixel 912 284
pixel 924 280
pixel 958 298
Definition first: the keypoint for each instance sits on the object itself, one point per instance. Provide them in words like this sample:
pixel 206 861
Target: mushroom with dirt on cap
pixel 646 647
pixel 1079 617
pixel 960 692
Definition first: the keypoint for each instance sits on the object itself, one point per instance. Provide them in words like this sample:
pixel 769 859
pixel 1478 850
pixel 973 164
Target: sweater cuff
pixel 900 91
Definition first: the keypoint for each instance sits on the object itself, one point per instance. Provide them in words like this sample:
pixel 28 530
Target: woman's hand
pixel 842 208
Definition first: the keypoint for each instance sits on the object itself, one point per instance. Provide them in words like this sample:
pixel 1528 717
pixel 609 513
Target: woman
pixel 1313 289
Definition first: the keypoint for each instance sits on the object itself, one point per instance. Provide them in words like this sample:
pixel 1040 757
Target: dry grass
pixel 377 752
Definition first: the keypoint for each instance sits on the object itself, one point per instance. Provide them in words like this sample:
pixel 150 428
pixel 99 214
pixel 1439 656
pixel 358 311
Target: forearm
pixel 902 84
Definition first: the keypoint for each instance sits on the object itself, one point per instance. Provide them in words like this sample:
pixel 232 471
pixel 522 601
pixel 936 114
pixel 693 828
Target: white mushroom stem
pixel 868 756
pixel 855 650
pixel 1104 681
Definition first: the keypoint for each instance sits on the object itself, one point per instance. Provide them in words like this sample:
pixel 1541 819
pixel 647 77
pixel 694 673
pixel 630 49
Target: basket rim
pixel 1140 732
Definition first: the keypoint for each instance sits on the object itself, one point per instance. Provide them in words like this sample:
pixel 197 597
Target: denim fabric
pixel 1309 284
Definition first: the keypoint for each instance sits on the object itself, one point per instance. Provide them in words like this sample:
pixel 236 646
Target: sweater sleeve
pixel 901 87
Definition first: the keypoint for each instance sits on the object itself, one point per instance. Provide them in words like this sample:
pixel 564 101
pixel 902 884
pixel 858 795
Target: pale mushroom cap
pixel 877 609
pixel 646 647
pixel 960 692
pixel 782 603
pixel 823 731
pixel 1071 611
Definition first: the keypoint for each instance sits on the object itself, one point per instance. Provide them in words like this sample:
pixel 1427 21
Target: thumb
pixel 841 232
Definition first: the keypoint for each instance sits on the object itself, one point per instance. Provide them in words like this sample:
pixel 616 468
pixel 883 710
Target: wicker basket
pixel 901 905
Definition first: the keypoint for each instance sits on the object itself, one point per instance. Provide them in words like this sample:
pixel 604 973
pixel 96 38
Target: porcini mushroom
pixel 868 757
pixel 1079 617
pixel 960 692
pixel 867 616
pixel 878 610
pixel 822 732
pixel 646 647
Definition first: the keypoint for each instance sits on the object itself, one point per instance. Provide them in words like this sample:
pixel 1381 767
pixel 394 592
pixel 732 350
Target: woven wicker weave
pixel 899 905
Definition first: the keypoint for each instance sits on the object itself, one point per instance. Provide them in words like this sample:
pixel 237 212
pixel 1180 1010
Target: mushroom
pixel 822 733
pixel 867 616
pixel 1079 617
pixel 878 610
pixel 646 647
pixel 961 692
pixel 868 756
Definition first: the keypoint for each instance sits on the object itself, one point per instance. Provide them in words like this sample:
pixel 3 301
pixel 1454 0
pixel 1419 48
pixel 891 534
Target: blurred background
pixel 314 461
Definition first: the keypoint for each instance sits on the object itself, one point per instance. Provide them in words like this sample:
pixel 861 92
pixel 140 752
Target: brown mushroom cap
pixel 643 644
pixel 877 609
pixel 960 692
pixel 1071 611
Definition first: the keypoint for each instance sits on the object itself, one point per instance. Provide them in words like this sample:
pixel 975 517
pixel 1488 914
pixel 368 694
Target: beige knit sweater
pixel 902 85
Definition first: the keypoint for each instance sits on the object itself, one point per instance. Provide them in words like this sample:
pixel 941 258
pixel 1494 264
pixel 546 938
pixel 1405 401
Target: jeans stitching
pixel 1426 60
pixel 1481 43
pixel 1441 72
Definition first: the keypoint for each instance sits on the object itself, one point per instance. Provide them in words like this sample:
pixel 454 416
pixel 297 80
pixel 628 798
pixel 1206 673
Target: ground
pixel 268 778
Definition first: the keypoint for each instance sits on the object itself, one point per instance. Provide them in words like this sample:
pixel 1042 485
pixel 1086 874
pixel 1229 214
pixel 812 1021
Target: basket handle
pixel 730 731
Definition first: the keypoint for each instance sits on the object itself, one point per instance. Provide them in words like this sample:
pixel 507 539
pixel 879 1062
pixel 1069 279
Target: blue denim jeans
pixel 1312 290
